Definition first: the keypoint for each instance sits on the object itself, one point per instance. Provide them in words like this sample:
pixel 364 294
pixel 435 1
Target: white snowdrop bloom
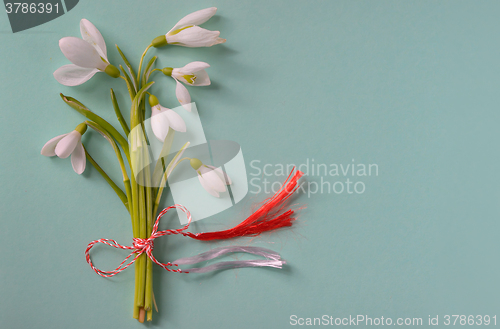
pixel 162 119
pixel 68 144
pixel 187 33
pixel 212 179
pixel 88 56
pixel 192 74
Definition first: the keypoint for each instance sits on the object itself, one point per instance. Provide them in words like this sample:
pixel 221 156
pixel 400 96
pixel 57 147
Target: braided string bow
pixel 141 246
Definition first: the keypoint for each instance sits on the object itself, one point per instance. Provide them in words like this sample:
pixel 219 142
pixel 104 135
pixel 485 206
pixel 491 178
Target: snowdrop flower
pixel 162 119
pixel 187 33
pixel 192 74
pixel 88 56
pixel 212 179
pixel 68 144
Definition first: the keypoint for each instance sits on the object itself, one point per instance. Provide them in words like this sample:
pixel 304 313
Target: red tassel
pixel 268 217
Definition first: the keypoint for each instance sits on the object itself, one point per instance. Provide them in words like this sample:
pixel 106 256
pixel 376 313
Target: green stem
pixel 136 292
pixel 141 155
pixel 148 299
pixel 180 162
pixel 135 230
pixel 142 258
pixel 140 63
pixel 160 163
pixel 118 113
pixel 125 77
pixel 135 207
pixel 145 75
pixel 139 202
pixel 115 187
pixel 142 200
pixel 165 176
pixel 141 264
pixel 135 110
pixel 118 154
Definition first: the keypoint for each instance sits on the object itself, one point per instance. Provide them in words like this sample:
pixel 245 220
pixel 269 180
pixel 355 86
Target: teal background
pixel 411 86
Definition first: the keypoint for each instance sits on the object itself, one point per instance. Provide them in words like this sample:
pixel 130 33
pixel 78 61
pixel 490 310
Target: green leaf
pixel 148 69
pixel 134 112
pixel 130 69
pixel 82 109
pixel 115 187
pixel 130 85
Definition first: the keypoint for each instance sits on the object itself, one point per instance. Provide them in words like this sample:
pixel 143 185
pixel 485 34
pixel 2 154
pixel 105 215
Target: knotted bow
pixel 141 246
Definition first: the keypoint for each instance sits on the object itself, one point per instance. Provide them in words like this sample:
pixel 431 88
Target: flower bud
pixel 195 163
pixel 112 71
pixel 81 128
pixel 159 41
pixel 167 71
pixel 153 101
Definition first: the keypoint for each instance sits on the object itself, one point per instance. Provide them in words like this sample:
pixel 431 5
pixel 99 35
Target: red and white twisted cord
pixel 140 246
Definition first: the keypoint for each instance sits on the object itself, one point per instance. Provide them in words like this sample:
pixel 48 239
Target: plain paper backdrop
pixel 410 86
